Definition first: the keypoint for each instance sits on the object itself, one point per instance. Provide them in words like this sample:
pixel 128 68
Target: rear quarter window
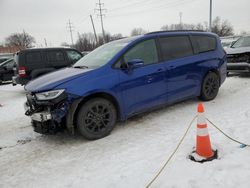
pixel 203 43
pixel 174 47
pixel 33 57
pixel 54 56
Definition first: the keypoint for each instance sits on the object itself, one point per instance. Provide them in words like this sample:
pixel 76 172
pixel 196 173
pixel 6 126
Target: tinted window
pixel 73 55
pixel 33 57
pixel 204 43
pixel 55 56
pixel 145 50
pixel 175 47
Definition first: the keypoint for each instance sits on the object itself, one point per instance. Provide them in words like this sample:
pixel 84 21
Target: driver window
pixel 145 50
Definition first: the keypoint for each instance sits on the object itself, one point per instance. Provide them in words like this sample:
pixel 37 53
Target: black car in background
pixel 32 63
pixel 6 70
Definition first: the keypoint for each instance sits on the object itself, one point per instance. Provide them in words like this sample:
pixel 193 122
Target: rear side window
pixel 204 43
pixel 54 56
pixel 33 57
pixel 175 47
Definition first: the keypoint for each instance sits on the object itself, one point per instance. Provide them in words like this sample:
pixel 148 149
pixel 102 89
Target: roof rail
pixel 155 32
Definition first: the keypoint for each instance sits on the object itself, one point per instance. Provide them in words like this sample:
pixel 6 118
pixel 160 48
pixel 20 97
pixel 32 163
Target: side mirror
pixel 135 63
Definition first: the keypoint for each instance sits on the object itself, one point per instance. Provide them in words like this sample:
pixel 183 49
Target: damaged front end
pixel 50 111
pixel 239 62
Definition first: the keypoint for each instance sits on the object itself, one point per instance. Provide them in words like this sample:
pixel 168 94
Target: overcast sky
pixel 48 18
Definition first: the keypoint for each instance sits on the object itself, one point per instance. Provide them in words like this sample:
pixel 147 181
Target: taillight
pixel 22 71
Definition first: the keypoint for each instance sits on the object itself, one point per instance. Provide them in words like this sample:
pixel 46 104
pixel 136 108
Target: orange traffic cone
pixel 203 150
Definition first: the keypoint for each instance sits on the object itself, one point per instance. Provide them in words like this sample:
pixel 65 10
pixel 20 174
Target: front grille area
pixel 56 108
pixel 238 58
pixel 33 106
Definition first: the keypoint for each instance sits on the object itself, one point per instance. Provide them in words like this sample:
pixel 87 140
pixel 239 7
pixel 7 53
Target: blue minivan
pixel 126 77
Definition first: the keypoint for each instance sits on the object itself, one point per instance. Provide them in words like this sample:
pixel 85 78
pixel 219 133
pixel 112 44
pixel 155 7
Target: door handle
pixel 150 79
pixel 171 67
pixel 159 70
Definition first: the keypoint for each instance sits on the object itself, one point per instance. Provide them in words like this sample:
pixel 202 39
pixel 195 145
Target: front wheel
pixel 96 118
pixel 210 87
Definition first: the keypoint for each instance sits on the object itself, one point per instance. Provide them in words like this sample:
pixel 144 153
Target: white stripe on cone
pixel 201 120
pixel 202 132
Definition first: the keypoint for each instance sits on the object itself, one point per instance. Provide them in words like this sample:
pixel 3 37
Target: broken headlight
pixel 49 95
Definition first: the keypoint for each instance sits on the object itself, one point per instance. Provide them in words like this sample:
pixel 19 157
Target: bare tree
pixel 138 31
pixel 199 26
pixel 21 40
pixel 222 28
pixel 178 27
pixel 87 42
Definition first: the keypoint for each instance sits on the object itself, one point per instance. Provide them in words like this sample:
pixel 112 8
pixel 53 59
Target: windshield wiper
pixel 81 67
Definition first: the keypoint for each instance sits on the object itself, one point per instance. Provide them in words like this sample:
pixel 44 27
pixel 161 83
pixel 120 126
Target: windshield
pixel 102 54
pixel 5 62
pixel 242 42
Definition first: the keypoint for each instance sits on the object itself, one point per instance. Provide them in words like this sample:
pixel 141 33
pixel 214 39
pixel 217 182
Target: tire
pixel 210 86
pixel 96 118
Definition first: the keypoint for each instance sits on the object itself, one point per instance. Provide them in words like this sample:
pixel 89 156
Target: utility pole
pixel 210 16
pixel 180 20
pixel 100 9
pixel 93 28
pixel 70 27
pixel 45 42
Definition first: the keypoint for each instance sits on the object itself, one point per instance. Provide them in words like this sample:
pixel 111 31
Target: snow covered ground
pixel 134 152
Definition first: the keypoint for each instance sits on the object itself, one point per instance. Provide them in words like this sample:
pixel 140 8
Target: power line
pixel 161 7
pixel 100 9
pixel 70 27
pixel 140 3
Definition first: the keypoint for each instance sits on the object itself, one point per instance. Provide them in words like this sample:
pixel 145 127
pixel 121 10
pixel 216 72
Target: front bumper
pixel 41 116
pixel 238 67
pixel 18 80
pixel 47 117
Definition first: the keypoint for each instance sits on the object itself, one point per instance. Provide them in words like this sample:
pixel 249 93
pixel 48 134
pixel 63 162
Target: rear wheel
pixel 210 87
pixel 96 118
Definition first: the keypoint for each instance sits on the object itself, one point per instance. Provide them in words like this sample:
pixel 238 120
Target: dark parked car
pixel 6 70
pixel 32 63
pixel 125 77
pixel 238 56
pixel 3 59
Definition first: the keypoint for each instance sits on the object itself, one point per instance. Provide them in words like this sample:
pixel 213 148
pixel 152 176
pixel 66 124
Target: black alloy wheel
pixel 210 86
pixel 96 118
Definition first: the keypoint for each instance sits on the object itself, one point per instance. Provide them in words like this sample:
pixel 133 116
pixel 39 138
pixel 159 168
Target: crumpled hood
pixel 237 50
pixel 54 79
